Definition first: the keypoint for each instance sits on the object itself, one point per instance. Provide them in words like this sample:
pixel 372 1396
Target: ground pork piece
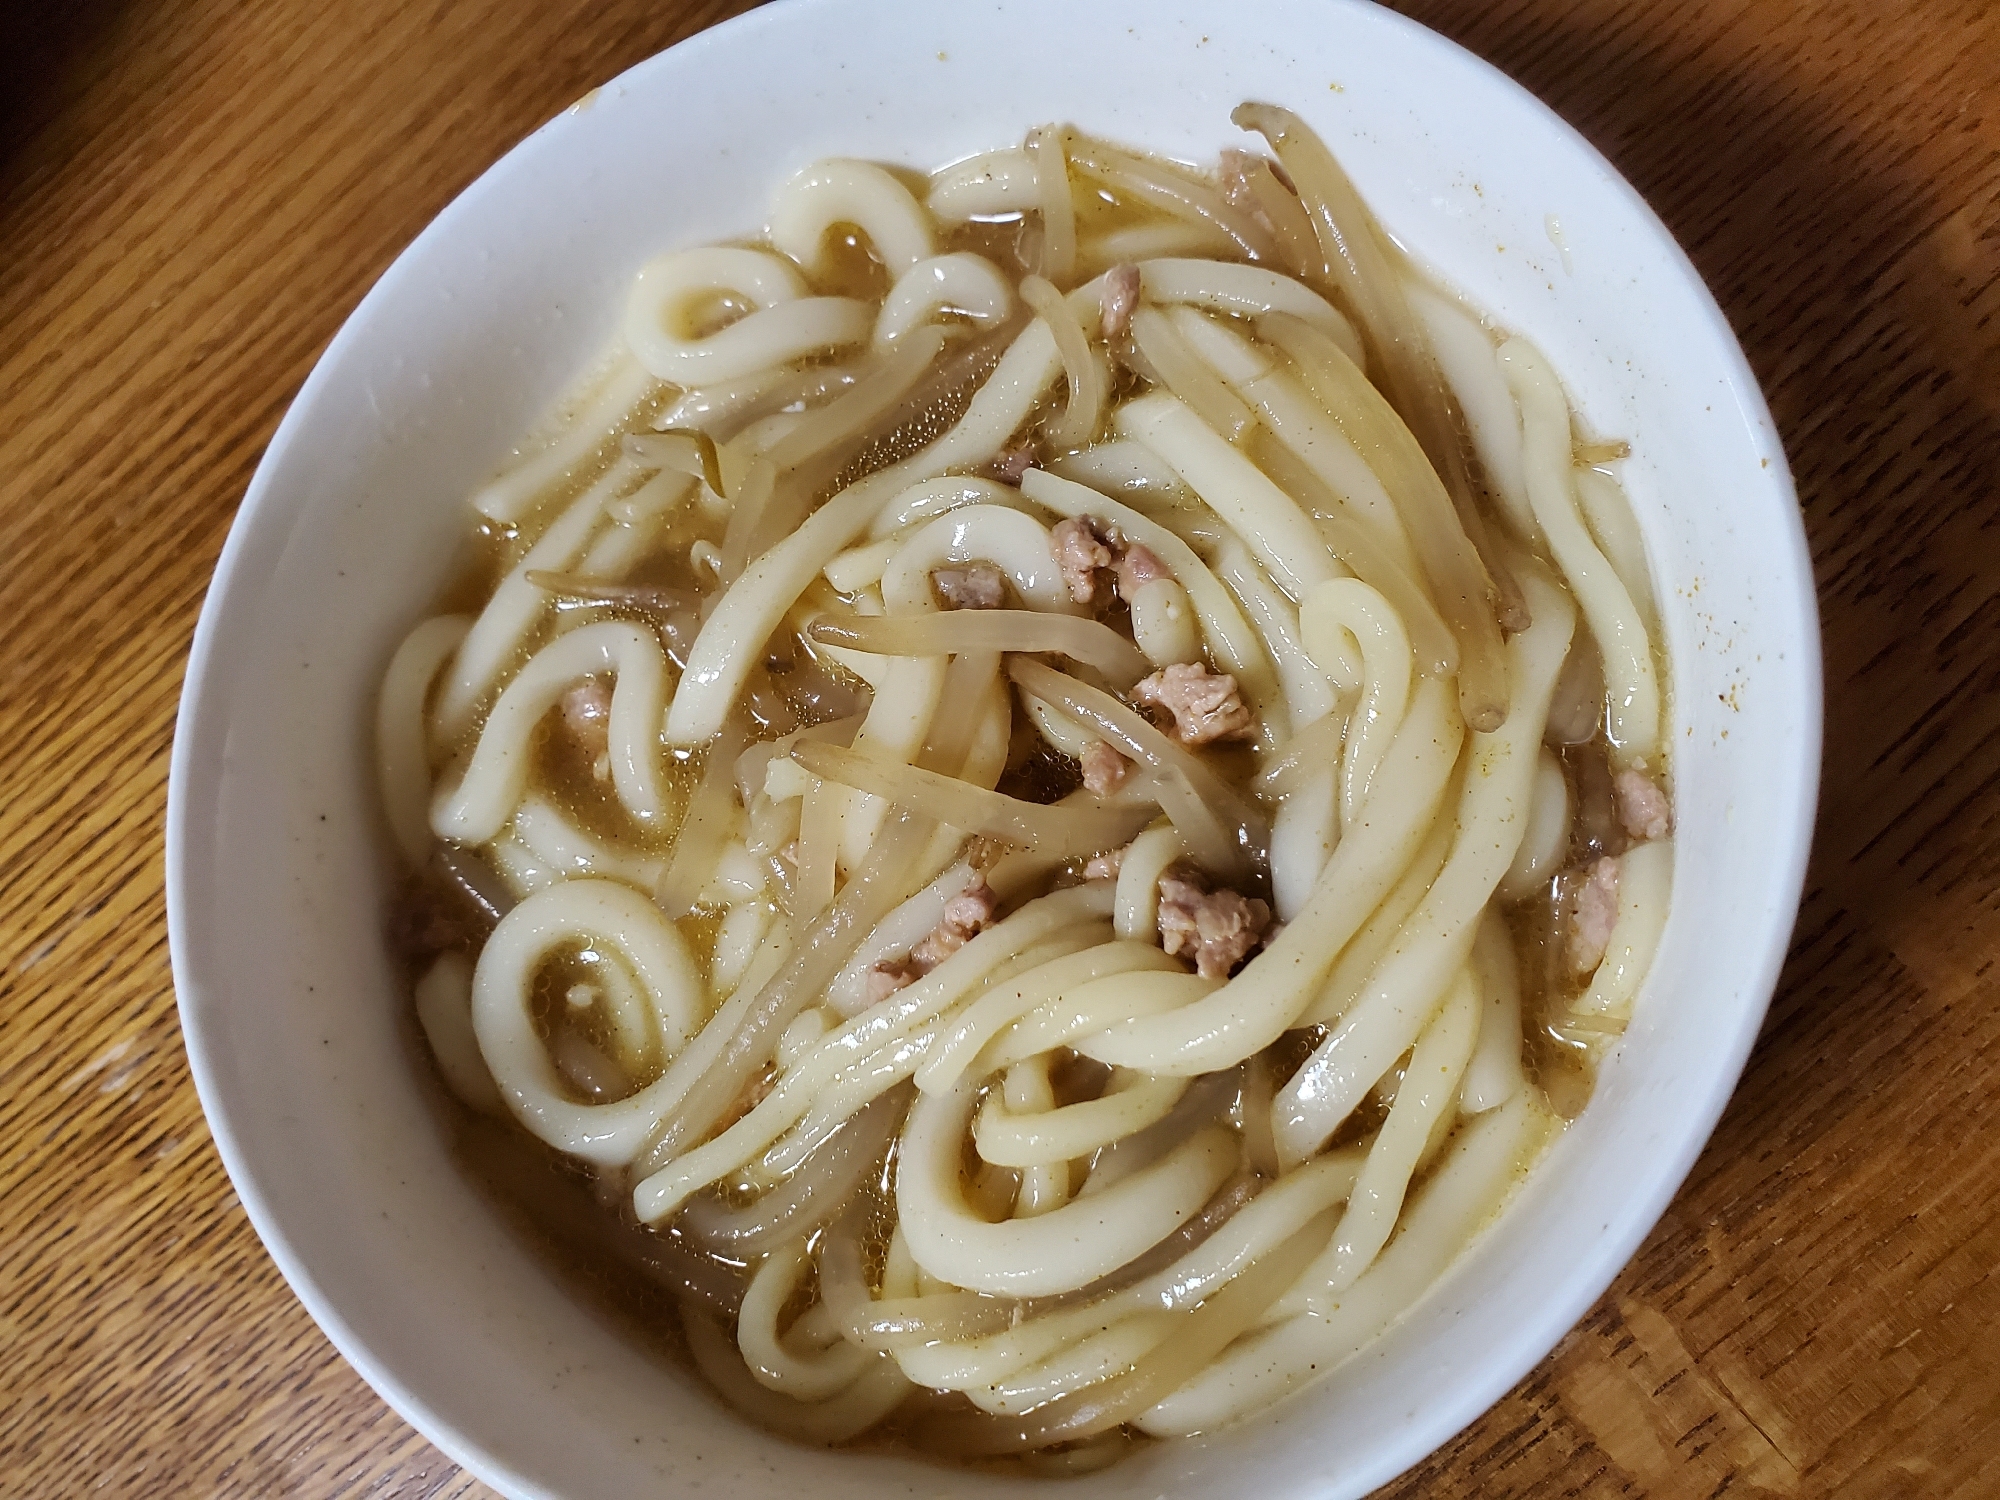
pixel 1642 806
pixel 1105 866
pixel 1011 463
pixel 977 586
pixel 1115 300
pixel 1082 549
pixel 1593 913
pixel 886 978
pixel 1205 704
pixel 586 719
pixel 1138 565
pixel 1214 928
pixel 1104 769
pixel 965 914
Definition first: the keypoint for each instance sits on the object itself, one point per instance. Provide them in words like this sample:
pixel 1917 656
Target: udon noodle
pixel 1051 781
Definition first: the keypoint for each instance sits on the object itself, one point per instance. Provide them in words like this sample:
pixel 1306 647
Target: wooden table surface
pixel 193 195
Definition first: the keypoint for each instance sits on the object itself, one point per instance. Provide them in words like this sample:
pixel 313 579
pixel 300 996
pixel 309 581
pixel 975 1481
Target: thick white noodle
pixel 879 1390
pixel 1119 466
pixel 1058 728
pixel 1136 914
pixel 479 806
pixel 402 746
pixel 1428 1091
pixel 517 606
pixel 1009 1135
pixel 607 915
pixel 1298 422
pixel 1059 980
pixel 1304 831
pixel 633 524
pixel 1632 699
pixel 1410 982
pixel 743 930
pixel 992 184
pixel 1545 841
pixel 962 283
pixel 785 325
pixel 547 832
pixel 879 1027
pixel 1164 624
pixel 1609 515
pixel 1092 1006
pixel 1470 363
pixel 1357 961
pixel 1308 682
pixel 1053 1252
pixel 934 497
pixel 444 1010
pixel 1016 543
pixel 1026 1090
pixel 779 1362
pixel 1229 286
pixel 1281 535
pixel 521 869
pixel 1270 1218
pixel 1090 1359
pixel 1267 996
pixel 840 190
pixel 1344 618
pixel 1495 1073
pixel 1471 1181
pixel 867 1076
pixel 1645 879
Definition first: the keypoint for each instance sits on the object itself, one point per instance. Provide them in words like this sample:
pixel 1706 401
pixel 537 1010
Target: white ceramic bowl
pixel 288 1001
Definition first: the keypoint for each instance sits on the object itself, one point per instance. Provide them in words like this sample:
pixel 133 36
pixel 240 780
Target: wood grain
pixel 194 194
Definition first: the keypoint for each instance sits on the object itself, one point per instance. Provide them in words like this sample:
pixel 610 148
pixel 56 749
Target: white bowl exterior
pixel 291 1009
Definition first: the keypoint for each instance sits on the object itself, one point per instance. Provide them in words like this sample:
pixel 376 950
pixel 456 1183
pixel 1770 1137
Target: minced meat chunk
pixel 1592 916
pixel 965 916
pixel 1116 300
pixel 1139 565
pixel 1086 548
pixel 1104 866
pixel 1104 769
pixel 1009 465
pixel 1642 806
pixel 1214 928
pixel 976 586
pixel 1206 705
pixel 1082 551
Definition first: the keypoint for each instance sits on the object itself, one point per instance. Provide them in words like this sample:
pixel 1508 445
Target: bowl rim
pixel 1595 1269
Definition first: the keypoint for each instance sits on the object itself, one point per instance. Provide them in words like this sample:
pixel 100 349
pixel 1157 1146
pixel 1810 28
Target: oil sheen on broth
pixel 1037 795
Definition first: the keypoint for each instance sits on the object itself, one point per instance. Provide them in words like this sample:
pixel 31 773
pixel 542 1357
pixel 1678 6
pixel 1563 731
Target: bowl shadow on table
pixel 1858 286
pixel 43 48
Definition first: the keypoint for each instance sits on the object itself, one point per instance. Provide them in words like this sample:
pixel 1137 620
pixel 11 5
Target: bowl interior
pixel 291 1010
